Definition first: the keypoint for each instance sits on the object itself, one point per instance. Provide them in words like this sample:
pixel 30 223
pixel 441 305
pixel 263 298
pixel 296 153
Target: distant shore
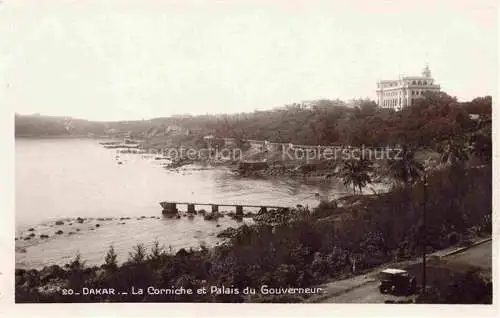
pixel 60 137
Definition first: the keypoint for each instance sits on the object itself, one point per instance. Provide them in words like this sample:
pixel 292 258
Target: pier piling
pixel 170 208
pixel 239 210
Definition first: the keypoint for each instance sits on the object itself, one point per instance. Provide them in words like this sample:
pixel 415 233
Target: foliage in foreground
pixel 303 250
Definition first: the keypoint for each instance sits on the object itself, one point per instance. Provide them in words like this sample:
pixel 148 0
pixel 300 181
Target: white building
pixel 400 93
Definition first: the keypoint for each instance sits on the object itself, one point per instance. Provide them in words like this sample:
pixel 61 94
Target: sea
pixel 117 196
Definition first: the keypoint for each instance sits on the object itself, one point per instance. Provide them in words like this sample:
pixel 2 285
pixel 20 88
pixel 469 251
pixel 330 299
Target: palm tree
pixel 355 173
pixel 454 154
pixel 406 169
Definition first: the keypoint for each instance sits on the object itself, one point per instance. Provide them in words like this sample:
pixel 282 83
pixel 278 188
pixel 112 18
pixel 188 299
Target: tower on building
pixel 426 72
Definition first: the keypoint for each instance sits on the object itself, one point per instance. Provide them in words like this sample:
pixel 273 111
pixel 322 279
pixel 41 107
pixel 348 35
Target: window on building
pixel 425 82
pixel 413 82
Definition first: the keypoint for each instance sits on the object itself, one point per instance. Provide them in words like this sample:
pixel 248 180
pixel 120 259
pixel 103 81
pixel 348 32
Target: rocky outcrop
pixel 228 233
pixel 277 217
pixel 251 168
pixel 212 216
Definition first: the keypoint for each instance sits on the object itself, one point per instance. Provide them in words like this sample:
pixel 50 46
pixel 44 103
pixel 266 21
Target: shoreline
pixel 39 245
pixel 322 245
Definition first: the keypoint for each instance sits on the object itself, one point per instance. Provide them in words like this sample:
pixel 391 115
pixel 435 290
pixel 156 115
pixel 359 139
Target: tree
pixel 355 173
pixel 156 251
pixel 455 153
pixel 77 264
pixel 481 147
pixel 110 259
pixel 406 169
pixel 76 277
pixel 237 131
pixel 138 255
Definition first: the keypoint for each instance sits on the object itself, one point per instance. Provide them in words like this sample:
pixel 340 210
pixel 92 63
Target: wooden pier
pixel 170 207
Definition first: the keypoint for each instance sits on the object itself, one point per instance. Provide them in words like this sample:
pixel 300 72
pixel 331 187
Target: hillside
pixel 324 122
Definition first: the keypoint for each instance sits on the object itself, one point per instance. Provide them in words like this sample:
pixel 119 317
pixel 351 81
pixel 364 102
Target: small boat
pixel 120 162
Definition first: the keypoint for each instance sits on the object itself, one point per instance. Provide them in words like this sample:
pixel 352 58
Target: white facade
pixel 400 93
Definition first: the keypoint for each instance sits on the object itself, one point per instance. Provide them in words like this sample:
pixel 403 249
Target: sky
pixel 124 60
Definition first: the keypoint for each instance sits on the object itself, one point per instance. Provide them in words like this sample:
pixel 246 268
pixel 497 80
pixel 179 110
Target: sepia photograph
pixel 306 152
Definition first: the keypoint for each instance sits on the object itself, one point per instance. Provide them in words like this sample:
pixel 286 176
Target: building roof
pixel 417 77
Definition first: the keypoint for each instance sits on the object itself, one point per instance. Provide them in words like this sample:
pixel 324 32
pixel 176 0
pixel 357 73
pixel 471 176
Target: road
pixel 480 256
pixel 364 289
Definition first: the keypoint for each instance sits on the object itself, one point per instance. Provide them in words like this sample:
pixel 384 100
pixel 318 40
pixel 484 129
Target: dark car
pixel 397 282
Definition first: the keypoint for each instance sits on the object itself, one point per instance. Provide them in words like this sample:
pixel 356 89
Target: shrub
pixel 138 255
pixel 110 259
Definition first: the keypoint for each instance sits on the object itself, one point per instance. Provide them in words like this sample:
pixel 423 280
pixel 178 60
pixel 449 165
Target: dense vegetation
pixel 300 250
pixel 47 126
pixel 322 122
